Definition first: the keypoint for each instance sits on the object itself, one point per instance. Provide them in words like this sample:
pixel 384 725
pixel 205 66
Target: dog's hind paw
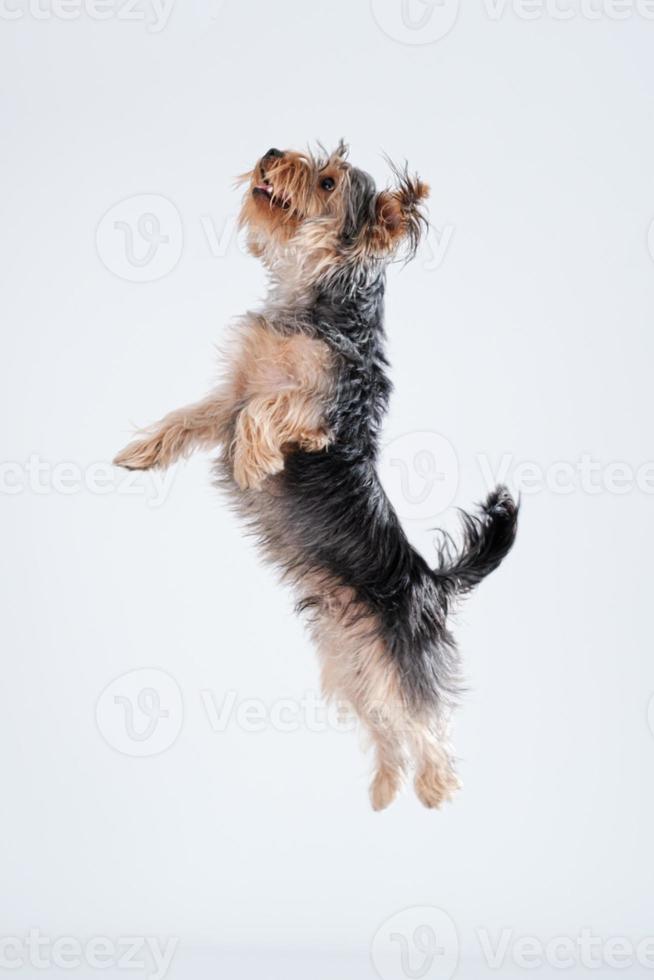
pixel 434 786
pixel 384 788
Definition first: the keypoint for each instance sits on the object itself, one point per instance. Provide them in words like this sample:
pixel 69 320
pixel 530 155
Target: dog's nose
pixel 273 153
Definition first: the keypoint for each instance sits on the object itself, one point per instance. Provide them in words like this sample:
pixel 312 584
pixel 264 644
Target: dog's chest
pixel 268 362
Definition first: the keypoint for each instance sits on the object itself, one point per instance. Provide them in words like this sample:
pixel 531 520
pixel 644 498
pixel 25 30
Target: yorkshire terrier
pixel 297 418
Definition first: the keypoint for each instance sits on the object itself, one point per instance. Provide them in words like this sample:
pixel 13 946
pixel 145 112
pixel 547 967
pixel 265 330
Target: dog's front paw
pixel 250 472
pixel 142 454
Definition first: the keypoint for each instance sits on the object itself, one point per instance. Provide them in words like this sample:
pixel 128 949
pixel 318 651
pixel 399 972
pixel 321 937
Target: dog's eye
pixel 328 183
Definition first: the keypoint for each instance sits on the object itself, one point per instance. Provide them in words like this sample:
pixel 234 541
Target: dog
pixel 297 419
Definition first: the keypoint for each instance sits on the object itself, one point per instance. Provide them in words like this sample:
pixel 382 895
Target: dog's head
pixel 321 212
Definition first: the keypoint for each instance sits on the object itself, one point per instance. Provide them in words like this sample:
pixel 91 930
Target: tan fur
pixel 269 424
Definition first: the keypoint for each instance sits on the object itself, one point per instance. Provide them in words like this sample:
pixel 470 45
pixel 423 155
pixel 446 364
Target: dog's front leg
pixel 270 425
pixel 199 426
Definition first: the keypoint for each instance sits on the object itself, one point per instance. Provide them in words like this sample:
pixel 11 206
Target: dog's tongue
pixel 264 189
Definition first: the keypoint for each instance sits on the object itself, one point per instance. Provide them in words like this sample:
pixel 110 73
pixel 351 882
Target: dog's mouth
pixel 265 191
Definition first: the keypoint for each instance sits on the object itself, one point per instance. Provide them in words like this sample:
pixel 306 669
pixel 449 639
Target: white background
pixel 528 339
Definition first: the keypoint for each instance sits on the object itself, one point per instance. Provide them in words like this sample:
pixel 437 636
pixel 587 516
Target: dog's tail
pixel 487 539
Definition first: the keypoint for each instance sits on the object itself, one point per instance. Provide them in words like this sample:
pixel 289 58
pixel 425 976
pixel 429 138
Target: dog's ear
pixel 399 215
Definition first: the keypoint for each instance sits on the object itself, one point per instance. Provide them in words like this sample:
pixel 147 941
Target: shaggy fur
pixel 298 417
